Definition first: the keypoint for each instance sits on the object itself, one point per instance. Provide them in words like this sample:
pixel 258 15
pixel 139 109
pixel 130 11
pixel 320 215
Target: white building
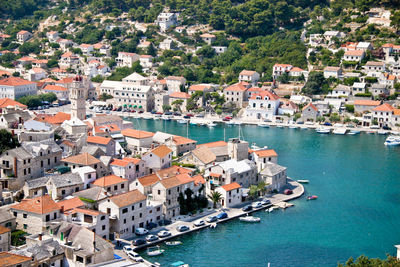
pixel 128 168
pixel 334 72
pixel 262 156
pixel 158 158
pixel 126 59
pixel 358 88
pixel 15 87
pixel 87 174
pixel 231 195
pixel 374 68
pixel 166 20
pixel 354 55
pixel 249 76
pixel 279 69
pixel 23 36
pixel 263 105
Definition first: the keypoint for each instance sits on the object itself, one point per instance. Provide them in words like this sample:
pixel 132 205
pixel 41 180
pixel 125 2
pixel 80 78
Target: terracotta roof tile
pixel 172 171
pixel 15 81
pixel 4 230
pixel 247 72
pixel 180 95
pixel 9 259
pixel 171 182
pixel 199 87
pixel 384 107
pixel 109 180
pixel 180 140
pixel 266 153
pixel 213 174
pixel 128 198
pixel 69 204
pixel 161 151
pixel 231 186
pixel 148 179
pixel 98 140
pixel 184 178
pixel 366 103
pixel 311 106
pixel 5 102
pixel 124 162
pixel 264 94
pixel 357 53
pixel 51 87
pixel 82 159
pixel 238 87
pixel 136 133
pixel 57 119
pixel 198 179
pixel 39 205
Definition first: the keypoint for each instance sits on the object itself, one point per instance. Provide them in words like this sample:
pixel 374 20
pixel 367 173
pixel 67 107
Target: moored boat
pixel 392 141
pixel 303 181
pixel 173 243
pixel 211 124
pixel 263 125
pixel 353 132
pixel 312 197
pixel 382 132
pixel 154 251
pixel 182 121
pixel 323 130
pixel 248 218
pixel 179 264
pixel 340 131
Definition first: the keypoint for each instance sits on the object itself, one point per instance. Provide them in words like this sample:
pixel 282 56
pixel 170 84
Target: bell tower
pixel 77 97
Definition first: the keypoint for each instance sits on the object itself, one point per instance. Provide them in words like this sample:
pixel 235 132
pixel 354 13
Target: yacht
pixel 323 130
pixel 263 125
pixel 248 218
pixel 340 131
pixel 392 141
pixel 382 132
pixel 182 121
pixel 211 124
pixel 353 132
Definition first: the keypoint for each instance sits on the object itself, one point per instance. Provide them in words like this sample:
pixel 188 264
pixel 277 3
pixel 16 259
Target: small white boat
pixel 213 225
pixel 382 132
pixel 167 117
pixel 270 209
pixel 182 121
pixel 173 243
pixel 229 123
pixel 251 219
pixel 147 118
pixel 353 132
pixel 293 126
pixel 392 141
pixel 323 130
pixel 303 181
pixel 193 123
pixel 154 251
pixel 340 131
pixel 263 125
pixel 211 124
pixel 238 123
pixel 279 126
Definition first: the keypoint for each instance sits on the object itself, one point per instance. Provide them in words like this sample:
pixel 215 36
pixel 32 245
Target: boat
pixel 251 219
pixel 193 123
pixel 293 126
pixel 340 131
pixel 279 126
pixel 179 264
pixel 167 117
pixel 370 132
pixel 213 225
pixel 392 141
pixel 173 243
pixel 270 209
pixel 229 123
pixel 382 132
pixel 303 181
pixel 154 251
pixel 238 123
pixel 323 130
pixel 147 118
pixel 263 125
pixel 311 197
pixel 182 121
pixel 353 132
pixel 211 124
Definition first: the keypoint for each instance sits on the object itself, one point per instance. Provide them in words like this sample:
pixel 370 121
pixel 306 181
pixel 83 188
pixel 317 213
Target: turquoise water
pixel 355 177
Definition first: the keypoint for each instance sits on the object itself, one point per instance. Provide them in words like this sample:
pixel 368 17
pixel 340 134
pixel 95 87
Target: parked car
pixel 211 219
pixel 163 233
pixel 386 128
pixel 182 228
pixel 300 122
pixel 200 115
pixel 247 208
pixel 168 113
pixel 256 205
pixel 222 215
pixel 199 223
pixel 309 123
pixel 139 242
pixel 374 127
pixel 127 249
pixel 288 192
pixel 267 120
pixel 141 111
pixel 159 113
pixel 225 119
pixel 151 225
pixel 135 257
pixel 186 117
pixel 151 238
pixel 141 231
pixel 265 201
pixel 176 114
pixel 328 124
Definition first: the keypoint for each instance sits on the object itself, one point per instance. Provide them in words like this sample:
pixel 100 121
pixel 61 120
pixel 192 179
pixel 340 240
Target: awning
pixel 140 106
pixel 130 106
pixel 125 105
pixel 135 106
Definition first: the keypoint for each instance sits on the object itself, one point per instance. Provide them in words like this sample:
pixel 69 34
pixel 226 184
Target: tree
pixel 320 119
pixel 105 96
pixel 349 108
pixel 284 78
pixel 136 67
pixel 177 104
pixel 29 47
pixel 334 117
pixel 375 122
pixel 395 19
pixel 316 84
pixel 365 261
pixel 262 187
pixel 253 192
pixel 215 197
pixel 8 141
pixel 166 108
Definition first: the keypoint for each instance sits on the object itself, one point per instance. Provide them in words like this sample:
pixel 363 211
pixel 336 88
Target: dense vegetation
pixel 37 100
pixel 7 141
pixel 20 8
pixel 364 261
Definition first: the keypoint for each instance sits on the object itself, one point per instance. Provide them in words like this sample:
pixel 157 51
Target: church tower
pixel 77 97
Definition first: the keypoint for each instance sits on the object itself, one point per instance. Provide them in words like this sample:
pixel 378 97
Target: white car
pixel 256 205
pixel 135 257
pixel 151 238
pixel 141 231
pixel 309 123
pixel 199 223
pixel 374 127
pixel 127 249
pixel 163 233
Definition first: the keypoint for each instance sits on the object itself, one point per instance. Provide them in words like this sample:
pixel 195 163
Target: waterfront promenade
pixel 233 213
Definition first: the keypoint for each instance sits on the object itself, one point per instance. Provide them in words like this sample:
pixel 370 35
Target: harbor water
pixel 356 179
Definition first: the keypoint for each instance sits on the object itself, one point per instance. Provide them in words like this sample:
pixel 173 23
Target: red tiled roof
pixel 238 87
pixel 98 140
pixel 231 186
pixel 4 230
pixel 179 95
pixel 5 102
pixel 216 175
pixel 198 179
pixel 366 103
pixel 57 119
pixel 311 106
pixel 180 140
pixel 247 72
pixel 136 133
pixel 172 171
pixel 266 153
pixel 264 94
pixel 39 205
pixel 10 259
pixel 161 151
pixel 207 35
pixel 384 107
pixel 214 144
pixel 357 53
pixel 14 81
pixel 69 204
pixel 82 159
pixel 51 87
pixel 109 180
pixel 282 65
pixel 148 179
pixel 124 162
pixel 199 87
pixel 128 198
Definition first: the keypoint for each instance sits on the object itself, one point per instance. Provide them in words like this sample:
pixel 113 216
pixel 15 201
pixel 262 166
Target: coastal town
pixel 81 184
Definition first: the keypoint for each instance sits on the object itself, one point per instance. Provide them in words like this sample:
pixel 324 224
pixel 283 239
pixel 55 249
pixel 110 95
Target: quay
pixel 233 213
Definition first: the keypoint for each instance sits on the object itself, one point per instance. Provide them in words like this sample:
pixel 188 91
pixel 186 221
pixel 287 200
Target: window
pixel 62 192
pixel 133 218
pixel 15 214
pixel 159 192
pixel 102 218
pixel 55 215
pixel 47 217
pixel 140 215
pixel 125 210
pixel 169 192
pixel 124 221
pixel 115 187
pixel 133 207
pixel 48 161
pixel 158 208
pixel 140 205
pixel 103 227
pixel 25 215
pixel 25 226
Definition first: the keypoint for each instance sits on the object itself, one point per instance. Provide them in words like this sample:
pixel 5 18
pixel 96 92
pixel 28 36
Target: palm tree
pixel 262 187
pixel 215 197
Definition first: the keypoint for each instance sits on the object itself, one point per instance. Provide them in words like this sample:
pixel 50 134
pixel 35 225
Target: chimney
pixel 15 167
